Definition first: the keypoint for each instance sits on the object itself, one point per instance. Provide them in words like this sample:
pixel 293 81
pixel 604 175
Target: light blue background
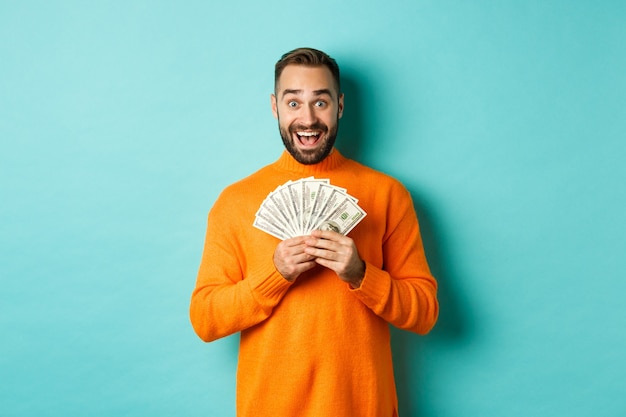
pixel 120 122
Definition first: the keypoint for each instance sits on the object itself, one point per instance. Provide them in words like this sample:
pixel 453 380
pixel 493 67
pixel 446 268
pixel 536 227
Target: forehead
pixel 306 79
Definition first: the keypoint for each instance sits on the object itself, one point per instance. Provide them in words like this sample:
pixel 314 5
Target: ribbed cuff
pixel 267 285
pixel 374 289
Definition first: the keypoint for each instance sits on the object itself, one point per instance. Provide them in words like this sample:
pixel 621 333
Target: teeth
pixel 308 133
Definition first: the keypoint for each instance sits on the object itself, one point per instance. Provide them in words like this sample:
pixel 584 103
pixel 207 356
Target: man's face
pixel 308 108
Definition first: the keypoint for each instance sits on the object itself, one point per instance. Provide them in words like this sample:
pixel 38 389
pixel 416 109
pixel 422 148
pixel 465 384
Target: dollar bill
pixel 271 228
pixel 344 217
pixel 325 202
pixel 298 207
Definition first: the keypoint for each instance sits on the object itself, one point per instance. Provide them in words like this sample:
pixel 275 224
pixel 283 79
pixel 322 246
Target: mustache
pixel 314 126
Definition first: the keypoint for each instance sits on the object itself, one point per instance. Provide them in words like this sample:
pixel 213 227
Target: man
pixel 313 311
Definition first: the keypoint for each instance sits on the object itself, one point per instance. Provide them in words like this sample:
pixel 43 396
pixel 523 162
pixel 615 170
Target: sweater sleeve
pixel 225 301
pixel 403 292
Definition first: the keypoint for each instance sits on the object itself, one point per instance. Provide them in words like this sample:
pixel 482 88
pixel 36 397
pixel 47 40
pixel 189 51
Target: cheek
pixel 285 123
pixel 286 120
pixel 331 120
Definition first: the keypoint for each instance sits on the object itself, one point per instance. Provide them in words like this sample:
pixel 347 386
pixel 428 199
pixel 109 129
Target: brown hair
pixel 308 57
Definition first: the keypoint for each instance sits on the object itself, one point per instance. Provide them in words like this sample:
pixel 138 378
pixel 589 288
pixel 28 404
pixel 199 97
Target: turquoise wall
pixel 120 122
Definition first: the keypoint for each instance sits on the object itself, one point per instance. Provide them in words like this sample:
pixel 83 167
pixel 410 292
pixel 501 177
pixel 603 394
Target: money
pixel 298 207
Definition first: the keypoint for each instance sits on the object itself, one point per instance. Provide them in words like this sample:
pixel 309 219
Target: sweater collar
pixel 286 162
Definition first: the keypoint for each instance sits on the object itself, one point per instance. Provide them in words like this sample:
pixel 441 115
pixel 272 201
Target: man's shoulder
pixel 251 189
pixel 373 175
pixel 251 181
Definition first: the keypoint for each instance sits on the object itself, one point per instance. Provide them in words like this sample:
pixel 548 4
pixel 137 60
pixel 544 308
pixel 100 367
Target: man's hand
pixel 290 259
pixel 338 253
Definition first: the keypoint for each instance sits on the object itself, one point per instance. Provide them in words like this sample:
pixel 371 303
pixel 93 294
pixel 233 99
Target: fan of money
pixel 298 207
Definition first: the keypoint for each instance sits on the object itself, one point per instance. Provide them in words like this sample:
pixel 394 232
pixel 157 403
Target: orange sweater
pixel 315 347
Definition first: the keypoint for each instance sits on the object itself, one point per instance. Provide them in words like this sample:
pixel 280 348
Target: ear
pixel 340 113
pixel 274 105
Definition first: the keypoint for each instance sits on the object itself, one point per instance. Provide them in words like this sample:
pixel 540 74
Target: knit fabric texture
pixel 314 347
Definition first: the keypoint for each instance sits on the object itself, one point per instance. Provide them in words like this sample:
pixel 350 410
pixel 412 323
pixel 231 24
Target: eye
pixel 292 104
pixel 320 103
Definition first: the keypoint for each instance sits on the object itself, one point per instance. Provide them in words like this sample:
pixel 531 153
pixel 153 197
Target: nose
pixel 308 115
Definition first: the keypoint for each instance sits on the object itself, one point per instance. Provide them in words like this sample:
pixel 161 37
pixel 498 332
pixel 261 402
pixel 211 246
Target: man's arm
pixel 404 292
pixel 227 297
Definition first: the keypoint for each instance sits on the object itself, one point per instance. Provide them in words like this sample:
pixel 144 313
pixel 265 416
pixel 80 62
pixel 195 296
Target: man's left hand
pixel 338 253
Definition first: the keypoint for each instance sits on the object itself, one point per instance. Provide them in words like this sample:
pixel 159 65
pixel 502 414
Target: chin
pixel 308 157
pixel 311 157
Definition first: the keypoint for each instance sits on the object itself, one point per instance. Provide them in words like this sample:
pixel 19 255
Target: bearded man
pixel 313 310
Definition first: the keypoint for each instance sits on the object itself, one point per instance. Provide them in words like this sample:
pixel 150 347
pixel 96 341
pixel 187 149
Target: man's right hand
pixel 290 259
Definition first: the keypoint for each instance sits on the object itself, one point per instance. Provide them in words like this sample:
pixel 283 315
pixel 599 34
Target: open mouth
pixel 308 138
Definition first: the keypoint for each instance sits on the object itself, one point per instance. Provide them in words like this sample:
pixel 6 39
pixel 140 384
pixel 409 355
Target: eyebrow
pixel 316 92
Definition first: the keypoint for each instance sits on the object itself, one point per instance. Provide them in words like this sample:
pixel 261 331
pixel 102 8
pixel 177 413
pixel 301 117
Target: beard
pixel 313 156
